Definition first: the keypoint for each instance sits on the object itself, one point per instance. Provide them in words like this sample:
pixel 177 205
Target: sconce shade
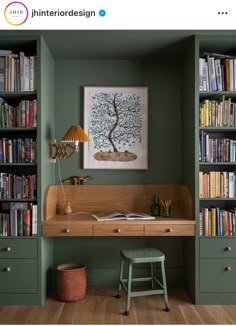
pixel 75 134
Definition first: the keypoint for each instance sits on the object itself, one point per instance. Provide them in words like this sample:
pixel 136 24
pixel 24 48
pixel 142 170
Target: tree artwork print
pixel 115 118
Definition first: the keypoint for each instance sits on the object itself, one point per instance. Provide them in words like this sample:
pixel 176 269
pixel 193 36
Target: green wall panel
pixel 164 132
pixel 164 79
pixel 101 255
pixel 46 168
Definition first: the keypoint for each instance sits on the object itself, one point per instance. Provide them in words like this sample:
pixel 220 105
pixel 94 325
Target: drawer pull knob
pixel 169 230
pixel 118 230
pixel 228 269
pixel 8 249
pixel 67 230
pixel 8 269
pixel 227 248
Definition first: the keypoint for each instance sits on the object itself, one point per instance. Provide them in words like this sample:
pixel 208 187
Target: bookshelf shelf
pixel 217 199
pixel 18 164
pixel 18 237
pixel 18 129
pixel 216 163
pixel 225 237
pixel 18 200
pixel 216 95
pixel 217 129
pixel 16 95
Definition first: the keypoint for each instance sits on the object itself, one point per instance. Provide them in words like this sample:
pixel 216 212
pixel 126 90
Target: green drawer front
pixel 214 276
pixel 218 248
pixel 21 277
pixel 18 248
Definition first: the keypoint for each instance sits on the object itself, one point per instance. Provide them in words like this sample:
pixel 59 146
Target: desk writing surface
pixel 100 198
pixel 86 225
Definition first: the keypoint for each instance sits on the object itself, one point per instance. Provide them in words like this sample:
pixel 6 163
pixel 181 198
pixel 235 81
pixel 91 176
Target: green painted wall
pixel 46 168
pixel 101 256
pixel 164 82
pixel 164 79
pixel 189 154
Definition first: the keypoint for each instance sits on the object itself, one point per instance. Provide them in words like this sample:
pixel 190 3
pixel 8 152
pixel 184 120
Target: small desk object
pixel 89 199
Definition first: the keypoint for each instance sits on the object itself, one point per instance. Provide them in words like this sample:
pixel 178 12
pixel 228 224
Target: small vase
pixel 68 209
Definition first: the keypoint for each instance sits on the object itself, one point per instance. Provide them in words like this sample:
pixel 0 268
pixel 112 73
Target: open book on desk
pixel 113 216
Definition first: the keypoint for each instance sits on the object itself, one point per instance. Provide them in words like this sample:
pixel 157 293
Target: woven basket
pixel 71 282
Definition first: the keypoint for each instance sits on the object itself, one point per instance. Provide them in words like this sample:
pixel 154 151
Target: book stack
pixel 18 150
pixel 14 186
pixel 217 184
pixel 18 72
pixel 217 72
pixel 21 221
pixel 217 113
pixel 22 115
pixel 215 221
pixel 216 149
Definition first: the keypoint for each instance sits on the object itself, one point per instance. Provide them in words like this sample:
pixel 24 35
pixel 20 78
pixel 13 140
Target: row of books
pixel 215 149
pixel 217 113
pixel 215 221
pixel 20 221
pixel 217 72
pixel 18 150
pixel 18 72
pixel 14 186
pixel 217 184
pixel 22 115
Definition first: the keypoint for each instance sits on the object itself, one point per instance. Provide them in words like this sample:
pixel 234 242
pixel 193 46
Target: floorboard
pixel 101 307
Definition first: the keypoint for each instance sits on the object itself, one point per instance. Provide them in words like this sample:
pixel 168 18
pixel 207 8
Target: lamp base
pixel 68 209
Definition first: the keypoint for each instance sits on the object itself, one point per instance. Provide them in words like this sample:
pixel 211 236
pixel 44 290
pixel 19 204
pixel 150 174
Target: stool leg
pixel 128 290
pixel 165 286
pixel 121 277
pixel 153 274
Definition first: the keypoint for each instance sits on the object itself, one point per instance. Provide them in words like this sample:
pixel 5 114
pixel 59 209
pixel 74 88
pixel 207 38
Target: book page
pixel 138 216
pixel 112 216
pixel 106 216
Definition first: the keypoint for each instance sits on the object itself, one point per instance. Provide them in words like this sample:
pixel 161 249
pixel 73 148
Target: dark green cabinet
pixel 18 248
pixel 20 263
pixel 215 241
pixel 224 247
pixel 217 275
pixel 18 276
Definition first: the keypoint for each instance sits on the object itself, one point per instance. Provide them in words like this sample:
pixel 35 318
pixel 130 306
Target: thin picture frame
pixel 116 121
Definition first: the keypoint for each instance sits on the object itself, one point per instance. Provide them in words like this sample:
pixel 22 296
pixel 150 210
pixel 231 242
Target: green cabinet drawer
pixel 18 276
pixel 217 275
pixel 18 248
pixel 218 248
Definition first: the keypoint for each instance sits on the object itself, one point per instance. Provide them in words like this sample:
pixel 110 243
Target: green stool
pixel 137 256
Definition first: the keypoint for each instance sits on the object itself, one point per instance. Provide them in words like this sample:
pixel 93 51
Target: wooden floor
pixel 101 307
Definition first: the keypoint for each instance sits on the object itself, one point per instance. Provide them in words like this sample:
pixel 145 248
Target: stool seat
pixel 137 256
pixel 142 255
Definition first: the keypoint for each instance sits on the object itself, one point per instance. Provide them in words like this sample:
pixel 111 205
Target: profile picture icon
pixel 16 13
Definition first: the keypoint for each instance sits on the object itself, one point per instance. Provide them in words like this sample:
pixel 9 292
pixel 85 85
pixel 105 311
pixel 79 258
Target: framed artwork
pixel 116 120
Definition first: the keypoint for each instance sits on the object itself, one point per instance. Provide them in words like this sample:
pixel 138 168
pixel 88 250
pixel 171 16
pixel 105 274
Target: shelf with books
pixel 19 228
pixel 18 218
pixel 215 168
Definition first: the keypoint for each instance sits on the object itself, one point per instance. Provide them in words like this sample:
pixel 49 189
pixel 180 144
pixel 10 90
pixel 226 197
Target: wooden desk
pixel 67 226
pixel 96 198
